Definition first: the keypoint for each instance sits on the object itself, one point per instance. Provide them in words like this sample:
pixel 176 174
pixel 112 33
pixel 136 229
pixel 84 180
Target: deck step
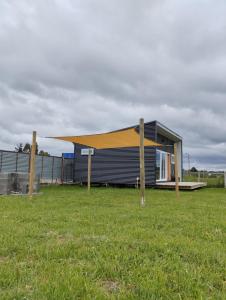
pixel 182 185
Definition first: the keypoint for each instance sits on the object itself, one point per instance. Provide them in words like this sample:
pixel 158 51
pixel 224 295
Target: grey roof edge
pixel 165 128
pixel 158 124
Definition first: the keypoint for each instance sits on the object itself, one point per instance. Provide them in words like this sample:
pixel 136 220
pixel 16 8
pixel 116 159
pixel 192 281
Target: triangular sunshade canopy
pixel 116 139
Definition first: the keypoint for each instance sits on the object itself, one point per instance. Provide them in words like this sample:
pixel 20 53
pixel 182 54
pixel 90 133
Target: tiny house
pixel 120 166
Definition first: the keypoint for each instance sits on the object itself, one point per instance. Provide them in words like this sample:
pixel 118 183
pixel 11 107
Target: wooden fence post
pixel 142 167
pixel 176 171
pixel 32 165
pixel 89 169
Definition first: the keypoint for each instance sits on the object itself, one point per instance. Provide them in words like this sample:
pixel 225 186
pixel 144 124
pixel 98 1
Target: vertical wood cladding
pixel 119 165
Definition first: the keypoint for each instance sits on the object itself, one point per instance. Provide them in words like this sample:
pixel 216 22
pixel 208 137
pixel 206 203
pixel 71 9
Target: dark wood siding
pixel 119 165
pixel 166 142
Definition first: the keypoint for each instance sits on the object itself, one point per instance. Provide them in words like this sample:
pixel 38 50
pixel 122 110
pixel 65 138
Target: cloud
pixel 74 67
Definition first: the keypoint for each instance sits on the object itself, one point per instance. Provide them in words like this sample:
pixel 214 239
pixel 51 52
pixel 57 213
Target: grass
pixel 212 181
pixel 66 244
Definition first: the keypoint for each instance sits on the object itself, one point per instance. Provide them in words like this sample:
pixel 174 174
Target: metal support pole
pixel 17 154
pixel 52 168
pixel 29 162
pixel 32 165
pixel 199 176
pixel 62 169
pixel 42 167
pixel 142 167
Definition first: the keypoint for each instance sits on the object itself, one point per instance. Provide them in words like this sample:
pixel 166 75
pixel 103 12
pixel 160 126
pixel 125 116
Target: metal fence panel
pixel 23 163
pixel 68 170
pixel 38 165
pixel 47 168
pixel 51 169
pixel 213 179
pixel 57 170
pixel 8 162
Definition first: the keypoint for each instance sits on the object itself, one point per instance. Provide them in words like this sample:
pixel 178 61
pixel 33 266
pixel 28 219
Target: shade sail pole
pixel 176 171
pixel 142 167
pixel 32 165
pixel 89 170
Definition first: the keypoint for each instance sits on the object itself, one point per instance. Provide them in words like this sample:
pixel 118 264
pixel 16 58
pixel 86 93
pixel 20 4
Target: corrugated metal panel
pixel 8 162
pixel 49 168
pixel 68 170
pixel 23 163
pixel 57 169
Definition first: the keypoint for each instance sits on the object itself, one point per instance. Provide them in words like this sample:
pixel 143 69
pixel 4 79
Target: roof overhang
pixel 162 129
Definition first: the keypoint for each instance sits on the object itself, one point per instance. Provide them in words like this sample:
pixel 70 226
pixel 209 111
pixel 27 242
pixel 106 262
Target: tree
pixel 193 169
pixel 19 148
pixel 27 149
pixel 43 153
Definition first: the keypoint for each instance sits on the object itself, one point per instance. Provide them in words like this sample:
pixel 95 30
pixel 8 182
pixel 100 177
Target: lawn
pixel 212 181
pixel 68 244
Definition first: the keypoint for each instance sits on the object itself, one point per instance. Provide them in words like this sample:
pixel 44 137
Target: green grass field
pixel 212 181
pixel 66 244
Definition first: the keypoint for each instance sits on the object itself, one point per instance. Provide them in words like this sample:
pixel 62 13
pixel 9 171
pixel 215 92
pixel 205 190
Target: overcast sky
pixel 89 66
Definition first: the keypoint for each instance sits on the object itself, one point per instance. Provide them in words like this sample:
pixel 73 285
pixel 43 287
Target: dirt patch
pixel 111 286
pixel 3 259
pixel 64 238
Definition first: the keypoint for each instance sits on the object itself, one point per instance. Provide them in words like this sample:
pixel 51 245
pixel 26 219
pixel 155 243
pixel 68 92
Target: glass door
pixel 161 165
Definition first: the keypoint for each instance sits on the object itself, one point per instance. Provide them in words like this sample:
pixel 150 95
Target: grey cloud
pixel 76 67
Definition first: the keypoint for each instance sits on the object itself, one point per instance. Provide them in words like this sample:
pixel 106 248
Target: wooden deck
pixel 182 185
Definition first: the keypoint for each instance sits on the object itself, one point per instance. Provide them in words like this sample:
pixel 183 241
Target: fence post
pixel 32 165
pixel 52 168
pixel 29 162
pixel 42 167
pixel 198 176
pixel 62 169
pixel 17 154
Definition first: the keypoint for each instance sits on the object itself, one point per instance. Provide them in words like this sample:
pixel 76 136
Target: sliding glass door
pixel 161 166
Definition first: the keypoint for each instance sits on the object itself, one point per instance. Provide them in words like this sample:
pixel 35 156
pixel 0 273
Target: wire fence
pixel 213 179
pixel 50 169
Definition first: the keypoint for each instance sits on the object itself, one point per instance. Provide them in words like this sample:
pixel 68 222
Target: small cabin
pixel 120 166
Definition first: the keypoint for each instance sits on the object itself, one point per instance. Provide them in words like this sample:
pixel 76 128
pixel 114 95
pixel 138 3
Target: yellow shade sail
pixel 117 139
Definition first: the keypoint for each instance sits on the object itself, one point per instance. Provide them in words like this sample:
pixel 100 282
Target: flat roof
pixel 162 129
